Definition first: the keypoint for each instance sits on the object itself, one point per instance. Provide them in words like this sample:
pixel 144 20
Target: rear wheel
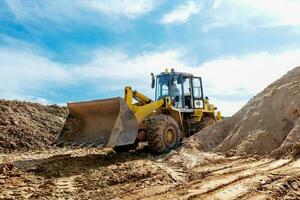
pixel 163 134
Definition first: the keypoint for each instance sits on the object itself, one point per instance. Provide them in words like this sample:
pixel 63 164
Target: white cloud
pixel 228 108
pixel 123 70
pixel 244 76
pixel 182 13
pixel 40 100
pixel 22 72
pixel 117 65
pixel 228 81
pixel 248 74
pixel 62 11
pixel 285 12
pixel 251 13
pixel 127 8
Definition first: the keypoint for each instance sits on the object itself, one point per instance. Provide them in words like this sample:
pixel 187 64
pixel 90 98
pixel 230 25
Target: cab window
pixel 198 96
pixel 162 87
pixel 176 91
pixel 187 91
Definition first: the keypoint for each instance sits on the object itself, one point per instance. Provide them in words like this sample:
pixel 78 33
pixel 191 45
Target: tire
pixel 163 134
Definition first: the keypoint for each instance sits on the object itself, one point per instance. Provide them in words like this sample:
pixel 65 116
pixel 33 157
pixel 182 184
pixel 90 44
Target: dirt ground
pixel 186 174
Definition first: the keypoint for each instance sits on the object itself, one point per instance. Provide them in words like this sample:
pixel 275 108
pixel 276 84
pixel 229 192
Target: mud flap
pixel 99 123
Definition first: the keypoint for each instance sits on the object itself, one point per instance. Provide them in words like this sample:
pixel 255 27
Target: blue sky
pixel 70 50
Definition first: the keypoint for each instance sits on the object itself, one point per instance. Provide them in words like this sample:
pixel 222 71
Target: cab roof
pixel 177 73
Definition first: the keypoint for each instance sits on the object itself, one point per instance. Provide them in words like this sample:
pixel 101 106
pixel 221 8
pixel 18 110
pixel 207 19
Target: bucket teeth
pixel 73 144
pixel 58 143
pixel 81 145
pixel 76 144
pixel 66 143
pixel 86 144
pixel 90 145
pixel 99 145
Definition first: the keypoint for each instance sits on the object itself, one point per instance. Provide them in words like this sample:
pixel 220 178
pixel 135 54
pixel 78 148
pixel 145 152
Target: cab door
pixel 198 100
pixel 187 93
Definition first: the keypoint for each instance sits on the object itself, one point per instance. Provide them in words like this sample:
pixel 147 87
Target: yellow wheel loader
pixel 178 111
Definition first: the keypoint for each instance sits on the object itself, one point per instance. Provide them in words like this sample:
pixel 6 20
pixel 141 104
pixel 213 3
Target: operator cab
pixel 185 90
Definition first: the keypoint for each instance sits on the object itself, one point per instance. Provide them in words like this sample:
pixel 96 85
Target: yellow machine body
pixel 119 121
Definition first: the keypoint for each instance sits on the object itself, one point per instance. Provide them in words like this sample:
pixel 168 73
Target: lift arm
pixel 145 105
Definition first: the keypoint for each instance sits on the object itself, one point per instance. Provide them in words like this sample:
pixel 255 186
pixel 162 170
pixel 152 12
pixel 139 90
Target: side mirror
pixel 152 81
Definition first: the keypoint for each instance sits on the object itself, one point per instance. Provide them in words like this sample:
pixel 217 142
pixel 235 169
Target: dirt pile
pixel 268 124
pixel 25 125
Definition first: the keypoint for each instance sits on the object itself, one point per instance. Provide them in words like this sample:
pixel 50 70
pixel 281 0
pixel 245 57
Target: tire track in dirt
pixel 218 182
pixel 284 183
pixel 176 173
pixel 231 168
pixel 233 181
pixel 182 177
pixel 240 189
pixel 278 187
pixel 66 184
pixel 255 187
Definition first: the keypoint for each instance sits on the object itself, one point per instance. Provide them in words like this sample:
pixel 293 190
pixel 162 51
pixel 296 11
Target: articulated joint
pixel 219 116
pixel 128 96
pixel 167 102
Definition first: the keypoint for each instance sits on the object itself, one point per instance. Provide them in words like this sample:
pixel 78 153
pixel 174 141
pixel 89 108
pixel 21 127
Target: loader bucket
pixel 99 123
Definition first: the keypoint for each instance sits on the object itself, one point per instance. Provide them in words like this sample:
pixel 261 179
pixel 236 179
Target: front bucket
pixel 99 123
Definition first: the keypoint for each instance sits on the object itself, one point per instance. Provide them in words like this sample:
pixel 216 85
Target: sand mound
pixel 268 124
pixel 26 125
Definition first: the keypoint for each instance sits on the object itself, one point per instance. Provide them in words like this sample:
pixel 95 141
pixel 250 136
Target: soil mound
pixel 25 125
pixel 268 124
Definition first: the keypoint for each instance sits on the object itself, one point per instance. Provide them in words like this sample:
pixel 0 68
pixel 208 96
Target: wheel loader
pixel 178 111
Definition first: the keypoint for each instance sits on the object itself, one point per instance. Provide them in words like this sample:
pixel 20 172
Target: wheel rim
pixel 170 137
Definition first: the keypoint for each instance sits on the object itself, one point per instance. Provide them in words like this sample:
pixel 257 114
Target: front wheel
pixel 163 134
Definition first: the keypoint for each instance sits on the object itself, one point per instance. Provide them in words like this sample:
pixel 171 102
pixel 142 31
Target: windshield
pixel 162 86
